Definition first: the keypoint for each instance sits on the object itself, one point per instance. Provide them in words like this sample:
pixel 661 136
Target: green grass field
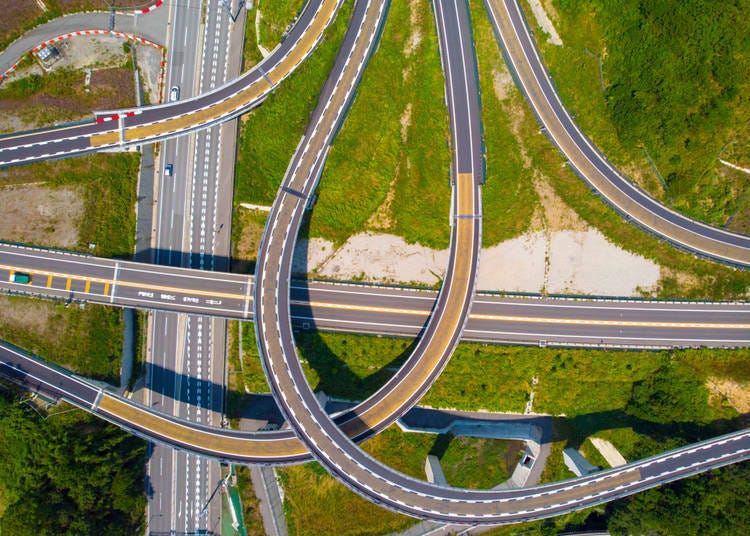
pixel 569 381
pixel 87 341
pixel 276 16
pixel 251 54
pixel 664 105
pixel 392 148
pixel 508 197
pixel 280 122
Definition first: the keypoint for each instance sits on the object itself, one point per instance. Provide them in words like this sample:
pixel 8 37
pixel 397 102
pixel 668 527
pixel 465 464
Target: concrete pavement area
pixel 151 26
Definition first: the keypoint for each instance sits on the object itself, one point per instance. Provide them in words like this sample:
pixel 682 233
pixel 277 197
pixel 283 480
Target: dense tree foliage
pixel 714 503
pixel 68 474
pixel 671 394
pixel 676 69
pixel 676 87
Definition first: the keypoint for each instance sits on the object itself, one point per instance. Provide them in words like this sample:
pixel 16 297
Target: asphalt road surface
pixel 380 310
pixel 194 202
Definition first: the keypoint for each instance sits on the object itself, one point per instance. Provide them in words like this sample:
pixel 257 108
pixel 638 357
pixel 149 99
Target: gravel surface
pixel 574 262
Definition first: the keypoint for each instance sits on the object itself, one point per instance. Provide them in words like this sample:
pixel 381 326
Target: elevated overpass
pixel 131 127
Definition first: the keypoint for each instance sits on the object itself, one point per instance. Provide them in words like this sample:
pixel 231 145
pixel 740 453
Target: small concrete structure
pixel 608 450
pixel 575 461
pixel 434 471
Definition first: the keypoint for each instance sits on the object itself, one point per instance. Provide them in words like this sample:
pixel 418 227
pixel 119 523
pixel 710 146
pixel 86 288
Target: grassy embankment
pixel 87 341
pixel 279 122
pixel 276 16
pixel 251 54
pixel 250 504
pixel 391 157
pixel 577 78
pixel 672 88
pixel 61 95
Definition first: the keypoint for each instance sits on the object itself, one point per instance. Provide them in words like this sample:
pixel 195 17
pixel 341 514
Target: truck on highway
pixel 22 278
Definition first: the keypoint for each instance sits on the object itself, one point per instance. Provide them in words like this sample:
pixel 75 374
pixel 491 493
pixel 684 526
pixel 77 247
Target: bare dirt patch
pixel 544 21
pixel 565 261
pixel 557 215
pixel 502 83
pixel 737 394
pixel 63 97
pixel 643 174
pixel 415 21
pixel 40 215
pixel 405 121
pixel 29 315
pixel 382 218
pixel 246 250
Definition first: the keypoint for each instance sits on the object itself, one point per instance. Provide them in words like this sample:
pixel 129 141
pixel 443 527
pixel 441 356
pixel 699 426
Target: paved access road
pixel 357 308
pixel 125 128
pixel 589 163
pixel 185 361
pixel 150 26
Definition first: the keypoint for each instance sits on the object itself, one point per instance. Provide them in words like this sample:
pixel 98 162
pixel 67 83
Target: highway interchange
pixel 440 319
pixel 192 202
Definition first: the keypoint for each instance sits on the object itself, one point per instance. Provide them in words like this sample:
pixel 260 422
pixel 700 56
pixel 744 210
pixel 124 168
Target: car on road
pixel 174 93
pixel 168 170
pixel 22 278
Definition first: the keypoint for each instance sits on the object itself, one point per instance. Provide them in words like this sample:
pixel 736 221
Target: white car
pixel 174 93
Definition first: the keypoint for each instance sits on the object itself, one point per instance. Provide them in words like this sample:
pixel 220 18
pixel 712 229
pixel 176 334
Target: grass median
pixel 388 169
pixel 269 134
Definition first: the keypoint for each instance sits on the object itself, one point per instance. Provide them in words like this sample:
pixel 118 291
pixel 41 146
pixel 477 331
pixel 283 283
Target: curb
pixel 150 8
pixel 68 35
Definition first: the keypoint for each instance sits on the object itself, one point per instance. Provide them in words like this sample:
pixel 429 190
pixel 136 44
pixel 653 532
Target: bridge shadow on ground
pixel 574 431
pixel 335 378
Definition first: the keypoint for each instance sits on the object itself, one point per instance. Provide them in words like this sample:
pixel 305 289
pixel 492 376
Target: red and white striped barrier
pixel 116 117
pixel 151 7
pixel 123 35
pixel 12 68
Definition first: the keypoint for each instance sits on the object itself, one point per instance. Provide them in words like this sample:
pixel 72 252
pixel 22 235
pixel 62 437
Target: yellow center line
pixel 385 310
pixel 129 284
pixel 526 319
